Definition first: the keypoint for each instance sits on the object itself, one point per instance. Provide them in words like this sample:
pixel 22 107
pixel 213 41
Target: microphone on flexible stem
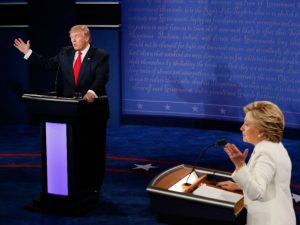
pixel 218 143
pixel 56 77
pixel 54 93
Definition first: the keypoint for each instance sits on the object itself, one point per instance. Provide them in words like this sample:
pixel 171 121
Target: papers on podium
pixel 204 190
pixel 216 193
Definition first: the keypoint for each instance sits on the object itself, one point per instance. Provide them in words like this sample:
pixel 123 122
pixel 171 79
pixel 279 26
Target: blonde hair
pixel 83 28
pixel 268 118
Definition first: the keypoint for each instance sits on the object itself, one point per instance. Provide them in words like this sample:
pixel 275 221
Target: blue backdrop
pixel 207 59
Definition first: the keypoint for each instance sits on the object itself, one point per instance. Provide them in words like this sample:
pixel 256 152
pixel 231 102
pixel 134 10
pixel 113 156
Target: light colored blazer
pixel 265 182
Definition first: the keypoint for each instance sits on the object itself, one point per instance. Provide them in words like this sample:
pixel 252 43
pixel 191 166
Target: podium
pixel 73 139
pixel 200 202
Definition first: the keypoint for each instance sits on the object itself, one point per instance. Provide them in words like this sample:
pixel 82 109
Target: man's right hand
pixel 21 45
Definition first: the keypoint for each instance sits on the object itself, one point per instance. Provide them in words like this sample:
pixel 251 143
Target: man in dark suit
pixel 82 69
pixel 93 71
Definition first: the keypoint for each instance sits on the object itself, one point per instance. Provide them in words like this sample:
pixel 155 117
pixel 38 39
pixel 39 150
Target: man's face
pixel 79 40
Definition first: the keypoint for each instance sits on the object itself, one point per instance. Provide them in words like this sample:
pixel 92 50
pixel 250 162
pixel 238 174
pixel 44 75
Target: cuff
pixel 28 54
pixel 241 176
pixel 92 92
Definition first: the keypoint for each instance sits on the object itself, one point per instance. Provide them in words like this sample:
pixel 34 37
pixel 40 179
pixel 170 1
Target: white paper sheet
pixel 218 194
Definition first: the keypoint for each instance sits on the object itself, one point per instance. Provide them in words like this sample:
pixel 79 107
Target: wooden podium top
pixel 164 184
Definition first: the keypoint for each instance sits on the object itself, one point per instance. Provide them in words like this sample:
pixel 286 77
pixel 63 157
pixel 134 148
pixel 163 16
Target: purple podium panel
pixel 57 158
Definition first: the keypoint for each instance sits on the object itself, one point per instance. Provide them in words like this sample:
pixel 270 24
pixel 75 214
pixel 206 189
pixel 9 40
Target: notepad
pixel 218 194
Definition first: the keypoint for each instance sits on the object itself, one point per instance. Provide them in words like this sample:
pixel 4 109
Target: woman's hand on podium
pixel 229 185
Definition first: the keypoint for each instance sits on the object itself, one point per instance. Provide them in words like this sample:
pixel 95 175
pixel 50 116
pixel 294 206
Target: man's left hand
pixel 89 97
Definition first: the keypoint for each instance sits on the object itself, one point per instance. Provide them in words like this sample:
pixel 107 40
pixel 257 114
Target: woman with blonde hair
pixel 265 180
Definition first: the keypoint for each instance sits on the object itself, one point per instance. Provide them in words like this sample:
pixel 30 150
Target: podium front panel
pixel 57 158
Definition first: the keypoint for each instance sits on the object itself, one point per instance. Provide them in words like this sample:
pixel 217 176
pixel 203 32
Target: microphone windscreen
pixel 221 143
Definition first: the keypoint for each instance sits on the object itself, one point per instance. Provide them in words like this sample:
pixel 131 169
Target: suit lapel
pixel 69 64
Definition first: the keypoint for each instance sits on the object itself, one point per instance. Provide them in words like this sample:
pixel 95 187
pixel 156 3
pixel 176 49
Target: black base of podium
pixel 73 137
pixel 182 220
pixel 64 206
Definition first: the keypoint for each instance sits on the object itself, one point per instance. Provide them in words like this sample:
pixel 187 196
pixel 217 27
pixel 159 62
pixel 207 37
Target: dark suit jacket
pixel 93 73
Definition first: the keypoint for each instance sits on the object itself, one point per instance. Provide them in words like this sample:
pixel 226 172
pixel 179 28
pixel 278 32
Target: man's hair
pixel 83 28
pixel 268 118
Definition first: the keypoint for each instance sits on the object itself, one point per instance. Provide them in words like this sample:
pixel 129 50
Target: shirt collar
pixel 83 52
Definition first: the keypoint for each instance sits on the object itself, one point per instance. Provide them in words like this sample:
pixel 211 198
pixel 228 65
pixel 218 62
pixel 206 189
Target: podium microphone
pixel 218 143
pixel 55 82
pixel 55 92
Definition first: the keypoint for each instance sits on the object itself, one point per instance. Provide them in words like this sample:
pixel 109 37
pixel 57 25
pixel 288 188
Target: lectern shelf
pixel 200 200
